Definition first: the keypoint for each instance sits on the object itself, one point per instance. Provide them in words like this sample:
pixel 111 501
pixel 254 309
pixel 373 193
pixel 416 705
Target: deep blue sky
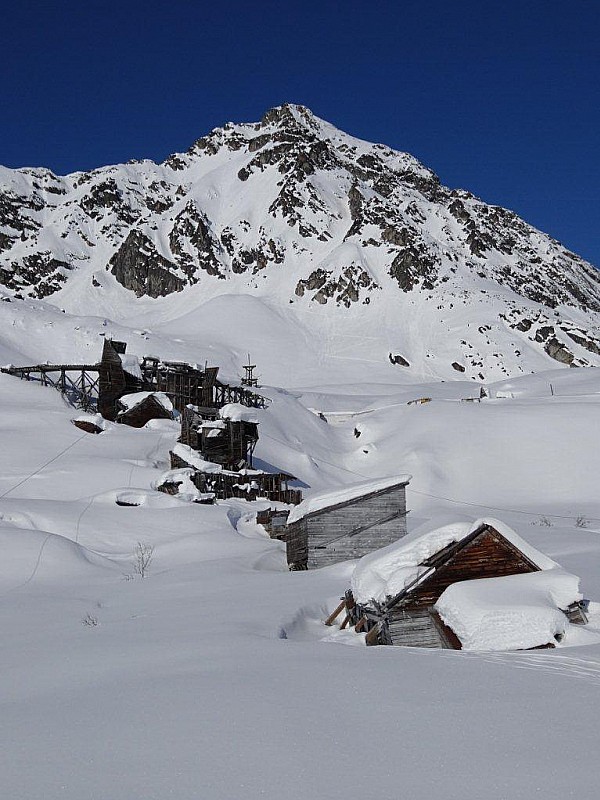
pixel 501 98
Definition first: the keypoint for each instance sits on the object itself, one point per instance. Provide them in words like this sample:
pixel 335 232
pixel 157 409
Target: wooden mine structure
pixel 249 378
pixel 227 442
pixel 410 619
pixel 184 383
pixel 99 386
pixel 245 483
pixel 219 452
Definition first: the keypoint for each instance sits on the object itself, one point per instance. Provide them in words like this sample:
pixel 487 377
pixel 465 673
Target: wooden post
pixel 335 614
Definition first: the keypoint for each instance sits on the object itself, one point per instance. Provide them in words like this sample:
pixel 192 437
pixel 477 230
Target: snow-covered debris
pixel 514 612
pixel 388 571
pixel 179 482
pixel 323 500
pixel 191 457
pixel 90 420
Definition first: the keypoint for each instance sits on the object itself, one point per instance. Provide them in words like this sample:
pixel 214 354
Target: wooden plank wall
pixel 349 531
pixel 414 628
pixel 487 556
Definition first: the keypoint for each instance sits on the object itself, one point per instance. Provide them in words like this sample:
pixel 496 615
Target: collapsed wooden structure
pixel 139 408
pixel 218 450
pixel 410 618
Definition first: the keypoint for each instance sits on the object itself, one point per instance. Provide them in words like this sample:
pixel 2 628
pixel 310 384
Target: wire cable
pixel 39 469
pixel 500 508
pixel 435 496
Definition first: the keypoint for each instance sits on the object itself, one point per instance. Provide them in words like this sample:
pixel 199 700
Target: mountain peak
pixel 289 114
pixel 293 209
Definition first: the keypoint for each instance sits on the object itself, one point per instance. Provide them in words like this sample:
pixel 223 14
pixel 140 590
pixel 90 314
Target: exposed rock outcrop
pixel 138 266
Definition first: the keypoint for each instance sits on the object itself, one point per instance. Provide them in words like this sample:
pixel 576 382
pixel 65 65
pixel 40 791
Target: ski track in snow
pixel 585 669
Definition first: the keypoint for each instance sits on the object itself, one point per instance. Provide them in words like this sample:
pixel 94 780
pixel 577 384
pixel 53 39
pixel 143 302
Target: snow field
pixel 185 688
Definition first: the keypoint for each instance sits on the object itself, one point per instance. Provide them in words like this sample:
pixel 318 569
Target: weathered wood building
pixel 410 617
pixel 185 384
pixel 220 440
pixel 346 524
pixel 139 408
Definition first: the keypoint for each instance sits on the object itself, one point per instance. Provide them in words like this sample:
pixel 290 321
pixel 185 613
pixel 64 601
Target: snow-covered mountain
pixel 356 281
pixel 355 248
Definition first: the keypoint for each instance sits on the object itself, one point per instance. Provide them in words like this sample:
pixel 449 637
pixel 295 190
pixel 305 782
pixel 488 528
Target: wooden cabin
pixel 346 524
pixel 139 408
pixel 410 617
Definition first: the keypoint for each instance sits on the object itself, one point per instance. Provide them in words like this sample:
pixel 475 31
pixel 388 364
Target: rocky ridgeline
pixel 339 218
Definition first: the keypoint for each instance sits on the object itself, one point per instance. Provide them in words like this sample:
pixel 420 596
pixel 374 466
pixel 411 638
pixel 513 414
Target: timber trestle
pixel 79 383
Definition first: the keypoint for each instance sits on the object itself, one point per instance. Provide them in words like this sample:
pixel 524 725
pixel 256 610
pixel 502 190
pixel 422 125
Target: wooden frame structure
pixel 79 383
pixel 99 386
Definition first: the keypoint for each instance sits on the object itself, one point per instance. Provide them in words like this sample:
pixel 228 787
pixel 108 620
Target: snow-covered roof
pixel 129 401
pixel 195 460
pixel 131 365
pixel 388 571
pixel 214 423
pixel 324 500
pixel 236 412
pixel 93 419
pixel 514 612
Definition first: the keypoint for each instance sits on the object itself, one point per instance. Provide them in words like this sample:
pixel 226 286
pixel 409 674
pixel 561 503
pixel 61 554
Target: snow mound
pixel 515 612
pixel 388 571
pixel 140 497
pixel 29 555
pixel 92 419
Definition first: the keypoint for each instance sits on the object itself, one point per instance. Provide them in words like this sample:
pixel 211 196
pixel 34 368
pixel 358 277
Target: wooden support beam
pixel 335 614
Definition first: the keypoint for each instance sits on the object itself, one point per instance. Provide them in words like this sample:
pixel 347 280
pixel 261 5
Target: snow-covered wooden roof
pixel 328 500
pixel 388 571
pixel 129 401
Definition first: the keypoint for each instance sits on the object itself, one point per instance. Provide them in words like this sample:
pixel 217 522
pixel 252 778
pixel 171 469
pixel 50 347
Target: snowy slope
pixel 181 685
pixel 354 249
